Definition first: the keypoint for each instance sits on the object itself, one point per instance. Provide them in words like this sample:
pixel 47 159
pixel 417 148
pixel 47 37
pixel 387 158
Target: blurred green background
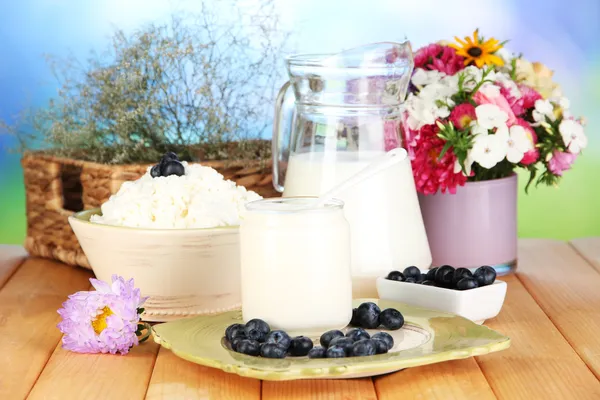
pixel 562 34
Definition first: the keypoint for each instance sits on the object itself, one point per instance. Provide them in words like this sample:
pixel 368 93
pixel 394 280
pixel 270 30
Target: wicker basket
pixel 58 187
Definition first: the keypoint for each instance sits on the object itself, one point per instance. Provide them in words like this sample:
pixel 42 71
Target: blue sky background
pixel 564 35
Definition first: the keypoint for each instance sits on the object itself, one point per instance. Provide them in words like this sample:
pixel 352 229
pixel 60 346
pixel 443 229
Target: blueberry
pixel 365 347
pixel 232 330
pixel 428 283
pixel 300 346
pixel 280 338
pixel 317 352
pixel 271 350
pixel 368 315
pixel 235 342
pixel 467 283
pixel 444 275
pixel 430 275
pixel 357 334
pixel 255 334
pixel 172 167
pixel 421 278
pixel 391 319
pixel 345 343
pixel 460 273
pixel 170 156
pixel 410 280
pixel 354 321
pixel 335 352
pixel 384 337
pixel 395 276
pixel 249 347
pixel 155 171
pixel 412 272
pixel 380 347
pixel 328 336
pixel 258 324
pixel 485 275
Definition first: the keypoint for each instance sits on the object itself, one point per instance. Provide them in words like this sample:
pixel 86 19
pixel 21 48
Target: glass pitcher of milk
pixel 346 113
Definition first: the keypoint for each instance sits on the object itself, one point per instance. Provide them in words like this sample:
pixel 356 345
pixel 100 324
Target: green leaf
pixel 532 174
pixel 444 150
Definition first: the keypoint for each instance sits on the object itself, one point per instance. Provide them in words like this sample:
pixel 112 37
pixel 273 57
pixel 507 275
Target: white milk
pixel 295 266
pixel 387 231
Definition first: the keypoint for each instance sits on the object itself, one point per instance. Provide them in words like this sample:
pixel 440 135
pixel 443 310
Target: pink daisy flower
pixel 432 175
pixel 560 162
pixel 102 321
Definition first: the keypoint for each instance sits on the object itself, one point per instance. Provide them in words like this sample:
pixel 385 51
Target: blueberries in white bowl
pixel 445 276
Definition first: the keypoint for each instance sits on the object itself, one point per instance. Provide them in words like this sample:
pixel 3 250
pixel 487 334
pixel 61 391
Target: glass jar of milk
pixel 295 265
pixel 346 114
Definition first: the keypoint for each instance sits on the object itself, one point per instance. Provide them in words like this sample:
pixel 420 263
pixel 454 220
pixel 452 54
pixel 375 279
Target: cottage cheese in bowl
pixel 201 198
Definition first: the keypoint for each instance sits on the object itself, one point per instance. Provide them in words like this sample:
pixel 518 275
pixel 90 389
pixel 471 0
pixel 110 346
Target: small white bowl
pixel 185 272
pixel 476 305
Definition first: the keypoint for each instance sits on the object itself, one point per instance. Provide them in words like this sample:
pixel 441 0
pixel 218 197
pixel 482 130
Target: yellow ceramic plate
pixel 427 337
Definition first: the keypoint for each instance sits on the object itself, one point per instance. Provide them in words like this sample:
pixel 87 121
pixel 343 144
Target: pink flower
pixel 439 58
pixel 391 134
pixel 529 96
pixel 462 115
pixel 499 100
pixel 560 162
pixel 532 155
pixel 430 174
pixel 102 321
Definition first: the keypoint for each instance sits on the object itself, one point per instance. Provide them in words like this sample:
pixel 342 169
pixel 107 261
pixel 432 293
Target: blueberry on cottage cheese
pixel 368 315
pixel 155 171
pixel 328 336
pixel 172 167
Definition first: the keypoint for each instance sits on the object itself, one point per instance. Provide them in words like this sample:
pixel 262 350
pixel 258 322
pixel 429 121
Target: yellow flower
pixel 475 51
pixel 537 76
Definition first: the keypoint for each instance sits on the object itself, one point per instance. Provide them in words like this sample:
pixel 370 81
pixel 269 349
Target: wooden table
pixel 551 313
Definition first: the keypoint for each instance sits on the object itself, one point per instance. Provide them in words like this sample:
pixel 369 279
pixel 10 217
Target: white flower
pixel 517 140
pixel 490 116
pixel 573 135
pixel 477 129
pixel 506 81
pixel 488 150
pixel 490 90
pixel 505 55
pixel 564 103
pixel 423 77
pixel 543 108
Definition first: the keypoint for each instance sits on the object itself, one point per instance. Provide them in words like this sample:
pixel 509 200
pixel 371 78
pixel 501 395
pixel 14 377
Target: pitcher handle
pixel 276 143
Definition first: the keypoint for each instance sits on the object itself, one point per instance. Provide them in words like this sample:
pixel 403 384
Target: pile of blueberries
pixel 447 277
pixel 256 338
pixel 169 165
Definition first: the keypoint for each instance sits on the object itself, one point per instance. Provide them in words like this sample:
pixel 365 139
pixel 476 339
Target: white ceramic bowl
pixel 185 272
pixel 475 304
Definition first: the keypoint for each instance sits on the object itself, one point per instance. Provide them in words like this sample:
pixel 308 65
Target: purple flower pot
pixel 474 227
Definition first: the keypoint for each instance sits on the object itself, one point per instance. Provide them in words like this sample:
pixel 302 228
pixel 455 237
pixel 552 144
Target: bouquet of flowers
pixel 475 112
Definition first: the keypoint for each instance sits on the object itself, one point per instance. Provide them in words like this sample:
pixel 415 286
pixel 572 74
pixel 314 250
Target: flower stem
pixel 146 335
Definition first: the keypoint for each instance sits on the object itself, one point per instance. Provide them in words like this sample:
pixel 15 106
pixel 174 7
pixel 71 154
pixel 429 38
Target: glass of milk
pixel 295 265
pixel 347 113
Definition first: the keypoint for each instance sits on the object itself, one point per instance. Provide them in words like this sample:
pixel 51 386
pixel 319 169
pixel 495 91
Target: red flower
pixel 439 58
pixel 532 155
pixel 521 105
pixel 462 115
pixel 529 96
pixel 432 175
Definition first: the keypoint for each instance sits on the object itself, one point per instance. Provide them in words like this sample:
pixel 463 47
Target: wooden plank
pixel 459 379
pixel 11 257
pixel 567 288
pixel 71 375
pixel 175 378
pixel 540 364
pixel 329 389
pixel 28 318
pixel 588 248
